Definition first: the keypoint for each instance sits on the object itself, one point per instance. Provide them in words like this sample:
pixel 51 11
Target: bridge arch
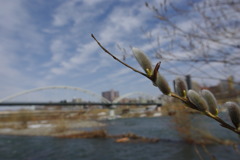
pixel 130 94
pixel 55 87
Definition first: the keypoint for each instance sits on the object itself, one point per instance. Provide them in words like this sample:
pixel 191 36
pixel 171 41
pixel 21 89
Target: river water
pixel 50 148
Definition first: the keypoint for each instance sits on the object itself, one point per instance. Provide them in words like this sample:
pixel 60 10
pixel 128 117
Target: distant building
pixel 77 100
pixel 110 95
pixel 226 88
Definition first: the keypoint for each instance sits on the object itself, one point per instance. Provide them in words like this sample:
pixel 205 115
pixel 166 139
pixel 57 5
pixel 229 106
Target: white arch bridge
pixel 103 101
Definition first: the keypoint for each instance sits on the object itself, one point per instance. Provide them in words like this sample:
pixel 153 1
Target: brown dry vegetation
pixel 129 137
pixel 188 131
pixel 45 122
pixel 38 115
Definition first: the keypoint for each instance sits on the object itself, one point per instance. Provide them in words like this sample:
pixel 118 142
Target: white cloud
pixel 121 72
pixel 19 40
pixel 123 24
pixel 12 15
pixel 124 20
pixel 75 11
pixel 65 52
pixel 6 70
pixel 82 56
pixel 58 48
pixel 92 3
pixel 117 25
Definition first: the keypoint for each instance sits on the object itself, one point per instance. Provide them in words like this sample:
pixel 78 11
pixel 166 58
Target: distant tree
pixel 203 32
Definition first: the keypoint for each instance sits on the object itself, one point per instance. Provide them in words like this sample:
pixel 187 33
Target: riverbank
pixel 64 123
pixel 61 122
pixel 46 128
pixel 49 148
pixel 92 124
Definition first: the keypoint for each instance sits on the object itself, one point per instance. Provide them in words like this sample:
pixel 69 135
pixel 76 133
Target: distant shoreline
pixel 49 129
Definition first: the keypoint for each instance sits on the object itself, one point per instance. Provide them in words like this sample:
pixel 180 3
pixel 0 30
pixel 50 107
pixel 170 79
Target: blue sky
pixel 48 43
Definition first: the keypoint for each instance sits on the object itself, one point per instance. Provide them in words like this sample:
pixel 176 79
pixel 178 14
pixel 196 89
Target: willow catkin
pixel 180 86
pixel 197 100
pixel 162 84
pixel 211 101
pixel 143 60
pixel 234 113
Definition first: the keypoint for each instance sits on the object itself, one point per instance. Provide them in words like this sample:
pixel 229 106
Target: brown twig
pixel 208 153
pixel 196 150
pixel 105 50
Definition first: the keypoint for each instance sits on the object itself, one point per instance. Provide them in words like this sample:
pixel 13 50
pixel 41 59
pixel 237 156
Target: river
pixel 50 148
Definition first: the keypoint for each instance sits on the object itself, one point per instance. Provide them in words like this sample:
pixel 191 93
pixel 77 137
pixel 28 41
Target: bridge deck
pixel 71 104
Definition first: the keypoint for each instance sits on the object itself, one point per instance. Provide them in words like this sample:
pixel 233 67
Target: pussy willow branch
pixel 183 99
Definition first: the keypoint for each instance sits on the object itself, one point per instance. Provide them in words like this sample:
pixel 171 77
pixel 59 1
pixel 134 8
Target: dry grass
pixel 188 131
pixel 129 137
pixel 16 120
pixel 60 125
pixel 87 134
pixel 20 120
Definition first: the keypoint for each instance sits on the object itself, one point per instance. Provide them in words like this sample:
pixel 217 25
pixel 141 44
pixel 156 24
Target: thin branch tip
pixel 114 57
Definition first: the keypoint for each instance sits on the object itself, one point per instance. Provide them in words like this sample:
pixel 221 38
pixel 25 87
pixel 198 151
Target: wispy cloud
pixel 50 44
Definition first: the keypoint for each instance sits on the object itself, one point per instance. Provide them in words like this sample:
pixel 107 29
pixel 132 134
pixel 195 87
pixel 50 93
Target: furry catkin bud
pixel 143 60
pixel 211 101
pixel 234 113
pixel 197 100
pixel 162 84
pixel 180 87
